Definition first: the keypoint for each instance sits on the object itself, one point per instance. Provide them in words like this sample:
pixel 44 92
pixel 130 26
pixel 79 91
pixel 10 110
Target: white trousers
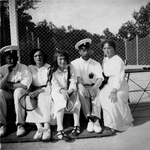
pixel 7 97
pixel 90 107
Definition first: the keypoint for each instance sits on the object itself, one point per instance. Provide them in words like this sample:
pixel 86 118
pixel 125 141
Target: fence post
pixel 137 51
pixel 32 36
pixel 125 42
pixel 13 24
pixel 38 42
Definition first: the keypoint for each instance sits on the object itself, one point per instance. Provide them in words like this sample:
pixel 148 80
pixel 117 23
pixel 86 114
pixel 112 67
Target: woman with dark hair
pixel 60 92
pixel 41 115
pixel 114 95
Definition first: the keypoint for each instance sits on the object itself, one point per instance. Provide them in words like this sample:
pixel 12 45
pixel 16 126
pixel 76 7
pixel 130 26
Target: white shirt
pixel 20 73
pixel 114 67
pixel 59 79
pixel 39 75
pixel 84 68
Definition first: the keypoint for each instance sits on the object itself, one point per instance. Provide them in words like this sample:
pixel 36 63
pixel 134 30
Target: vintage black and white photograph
pixel 74 74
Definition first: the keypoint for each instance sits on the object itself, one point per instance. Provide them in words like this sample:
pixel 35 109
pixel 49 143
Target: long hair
pixel 56 55
pixel 54 65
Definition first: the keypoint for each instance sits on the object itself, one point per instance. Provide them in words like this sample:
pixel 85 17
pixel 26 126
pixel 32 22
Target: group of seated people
pixel 53 84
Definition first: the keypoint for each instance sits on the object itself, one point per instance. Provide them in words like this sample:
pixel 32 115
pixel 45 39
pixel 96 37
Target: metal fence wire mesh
pixel 135 52
pixel 138 51
pixel 44 36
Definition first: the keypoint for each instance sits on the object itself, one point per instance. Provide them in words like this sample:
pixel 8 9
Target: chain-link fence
pixel 138 51
pixel 135 52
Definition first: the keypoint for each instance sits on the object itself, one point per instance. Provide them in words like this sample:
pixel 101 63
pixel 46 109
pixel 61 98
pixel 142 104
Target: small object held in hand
pixel 91 75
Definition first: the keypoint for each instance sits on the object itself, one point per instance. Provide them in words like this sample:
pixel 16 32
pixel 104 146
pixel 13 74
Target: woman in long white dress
pixel 41 116
pixel 114 95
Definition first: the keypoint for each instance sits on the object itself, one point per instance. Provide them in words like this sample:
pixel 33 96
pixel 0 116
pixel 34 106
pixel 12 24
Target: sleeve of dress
pixel 1 73
pixel 119 74
pixel 55 84
pixel 76 67
pixel 26 77
pixel 73 79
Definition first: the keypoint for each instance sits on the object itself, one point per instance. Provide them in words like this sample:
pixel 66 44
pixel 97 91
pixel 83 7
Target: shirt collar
pixel 58 70
pixel 87 61
pixel 42 66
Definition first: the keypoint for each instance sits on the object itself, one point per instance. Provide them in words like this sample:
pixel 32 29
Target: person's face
pixel 38 57
pixel 62 62
pixel 85 53
pixel 11 60
pixel 108 50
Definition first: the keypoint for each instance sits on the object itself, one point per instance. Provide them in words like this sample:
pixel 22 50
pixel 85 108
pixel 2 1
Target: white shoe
pixel 38 135
pixel 90 126
pixel 97 127
pixel 3 130
pixel 46 135
pixel 20 131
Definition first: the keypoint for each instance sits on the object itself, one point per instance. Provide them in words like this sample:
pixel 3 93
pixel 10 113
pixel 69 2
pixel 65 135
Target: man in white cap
pixel 15 79
pixel 89 77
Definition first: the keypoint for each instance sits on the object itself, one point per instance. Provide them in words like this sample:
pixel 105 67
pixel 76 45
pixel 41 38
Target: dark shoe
pixel 62 136
pixel 110 130
pixel 3 130
pixel 76 131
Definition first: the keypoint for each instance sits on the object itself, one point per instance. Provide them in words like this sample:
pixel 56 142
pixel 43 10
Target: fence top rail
pixel 137 70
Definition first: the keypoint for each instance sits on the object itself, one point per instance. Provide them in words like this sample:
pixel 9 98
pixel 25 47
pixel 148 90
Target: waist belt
pixel 39 87
pixel 88 84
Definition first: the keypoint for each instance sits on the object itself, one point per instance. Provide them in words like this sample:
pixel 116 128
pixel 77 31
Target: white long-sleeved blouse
pixel 114 67
pixel 39 75
pixel 59 79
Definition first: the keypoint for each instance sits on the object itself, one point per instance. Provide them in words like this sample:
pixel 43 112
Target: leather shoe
pixel 20 130
pixel 3 130
pixel 46 135
pixel 97 127
pixel 90 126
pixel 38 134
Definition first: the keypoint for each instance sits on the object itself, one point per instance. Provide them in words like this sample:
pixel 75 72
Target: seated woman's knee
pixel 19 92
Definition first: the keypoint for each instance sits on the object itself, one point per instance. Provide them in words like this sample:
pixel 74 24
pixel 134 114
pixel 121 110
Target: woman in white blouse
pixel 41 115
pixel 60 93
pixel 114 95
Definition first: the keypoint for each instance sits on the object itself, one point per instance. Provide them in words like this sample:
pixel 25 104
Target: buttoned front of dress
pixel 39 75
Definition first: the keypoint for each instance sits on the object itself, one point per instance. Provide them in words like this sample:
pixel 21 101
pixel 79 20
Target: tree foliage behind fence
pixel 48 38
pixel 67 40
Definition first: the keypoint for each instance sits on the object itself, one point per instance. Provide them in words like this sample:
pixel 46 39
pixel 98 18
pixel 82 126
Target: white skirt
pixel 44 112
pixel 60 102
pixel 116 115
